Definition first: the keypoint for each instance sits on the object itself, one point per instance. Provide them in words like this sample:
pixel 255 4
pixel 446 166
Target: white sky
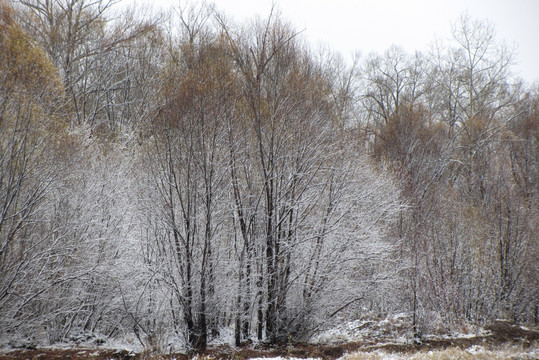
pixel 374 25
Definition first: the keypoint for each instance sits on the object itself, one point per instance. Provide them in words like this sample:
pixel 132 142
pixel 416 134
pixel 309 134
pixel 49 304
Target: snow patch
pixel 282 358
pixel 225 337
pixel 394 328
pixel 475 349
pixel 124 343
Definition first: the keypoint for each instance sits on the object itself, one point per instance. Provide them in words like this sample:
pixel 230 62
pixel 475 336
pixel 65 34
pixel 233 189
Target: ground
pixel 501 340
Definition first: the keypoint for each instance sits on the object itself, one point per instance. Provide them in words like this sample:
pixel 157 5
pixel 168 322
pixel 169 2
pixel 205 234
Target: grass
pixel 473 353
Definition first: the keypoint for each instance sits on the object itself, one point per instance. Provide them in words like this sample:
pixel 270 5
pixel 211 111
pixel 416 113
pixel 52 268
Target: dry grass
pixel 473 353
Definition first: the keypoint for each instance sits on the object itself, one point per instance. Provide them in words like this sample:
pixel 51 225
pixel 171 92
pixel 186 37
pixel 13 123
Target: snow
pixel 226 337
pixel 475 349
pixel 127 343
pixel 282 358
pixel 393 328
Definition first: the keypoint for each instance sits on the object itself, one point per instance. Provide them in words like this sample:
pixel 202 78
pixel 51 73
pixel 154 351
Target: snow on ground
pixel 225 337
pixel 126 343
pixel 394 328
pixel 283 358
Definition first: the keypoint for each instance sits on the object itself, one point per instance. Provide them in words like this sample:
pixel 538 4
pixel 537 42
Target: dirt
pixel 500 333
pixel 79 354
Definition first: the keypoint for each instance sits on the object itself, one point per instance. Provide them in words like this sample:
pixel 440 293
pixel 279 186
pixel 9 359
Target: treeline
pixel 174 177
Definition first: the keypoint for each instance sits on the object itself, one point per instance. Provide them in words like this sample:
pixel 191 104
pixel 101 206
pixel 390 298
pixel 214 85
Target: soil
pixel 500 333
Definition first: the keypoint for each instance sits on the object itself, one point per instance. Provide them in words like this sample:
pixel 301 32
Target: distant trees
pixel 448 146
pixel 391 81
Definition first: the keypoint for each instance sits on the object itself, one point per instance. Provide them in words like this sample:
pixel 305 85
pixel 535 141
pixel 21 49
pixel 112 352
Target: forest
pixel 171 177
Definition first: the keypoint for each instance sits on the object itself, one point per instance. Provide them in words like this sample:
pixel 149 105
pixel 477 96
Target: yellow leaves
pixel 31 90
pixel 21 59
pixel 475 129
pixel 200 79
pixel 25 66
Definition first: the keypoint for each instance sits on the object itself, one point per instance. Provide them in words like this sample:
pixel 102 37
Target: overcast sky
pixel 375 25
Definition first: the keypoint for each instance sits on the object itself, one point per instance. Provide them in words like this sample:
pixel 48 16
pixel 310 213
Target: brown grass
pixel 473 353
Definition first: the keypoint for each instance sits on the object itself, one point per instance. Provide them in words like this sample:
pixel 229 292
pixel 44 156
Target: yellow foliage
pixel 22 63
pixel 31 88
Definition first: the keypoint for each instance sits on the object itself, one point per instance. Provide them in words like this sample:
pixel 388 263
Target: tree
pixel 391 82
pixel 190 178
pixel 446 147
pixel 91 52
pixel 294 137
pixel 60 216
pixel 30 93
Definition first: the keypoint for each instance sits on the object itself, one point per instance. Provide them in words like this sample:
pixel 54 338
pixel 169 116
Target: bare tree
pixel 294 136
pixel 90 49
pixel 190 178
pixel 29 90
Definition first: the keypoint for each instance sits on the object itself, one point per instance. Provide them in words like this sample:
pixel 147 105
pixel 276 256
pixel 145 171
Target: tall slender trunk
pixel 260 305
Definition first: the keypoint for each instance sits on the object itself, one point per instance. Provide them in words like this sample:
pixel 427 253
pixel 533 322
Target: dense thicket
pixel 174 178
